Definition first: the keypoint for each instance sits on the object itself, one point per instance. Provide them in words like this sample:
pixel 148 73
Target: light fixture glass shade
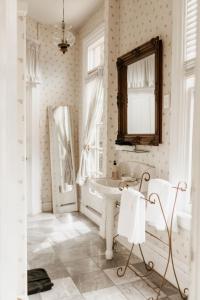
pixel 63 36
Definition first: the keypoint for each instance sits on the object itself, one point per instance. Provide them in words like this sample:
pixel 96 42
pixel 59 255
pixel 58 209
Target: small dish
pixel 128 178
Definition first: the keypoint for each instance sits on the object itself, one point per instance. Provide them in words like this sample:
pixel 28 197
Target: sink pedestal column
pixel 102 227
pixel 109 210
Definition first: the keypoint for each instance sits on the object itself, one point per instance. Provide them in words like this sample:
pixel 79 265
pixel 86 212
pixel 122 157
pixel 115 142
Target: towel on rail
pixel 154 214
pixel 131 223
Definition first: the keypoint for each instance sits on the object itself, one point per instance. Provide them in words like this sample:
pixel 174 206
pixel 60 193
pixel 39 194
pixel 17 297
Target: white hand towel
pixel 154 214
pixel 131 223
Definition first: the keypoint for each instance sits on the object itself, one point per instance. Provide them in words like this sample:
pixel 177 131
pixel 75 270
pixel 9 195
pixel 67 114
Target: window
pixel 191 7
pixel 190 45
pixel 184 46
pixel 94 56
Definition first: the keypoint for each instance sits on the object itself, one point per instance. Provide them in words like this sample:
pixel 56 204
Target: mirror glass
pixel 63 136
pixel 141 96
pixel 64 194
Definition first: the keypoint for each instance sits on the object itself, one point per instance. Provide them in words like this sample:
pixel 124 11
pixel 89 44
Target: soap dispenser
pixel 114 170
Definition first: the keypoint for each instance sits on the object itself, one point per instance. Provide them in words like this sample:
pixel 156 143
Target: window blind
pixel 191 29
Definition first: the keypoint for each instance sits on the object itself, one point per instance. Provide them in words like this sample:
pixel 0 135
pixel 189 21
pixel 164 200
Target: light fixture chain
pixel 63 10
pixel 67 38
pixel 63 21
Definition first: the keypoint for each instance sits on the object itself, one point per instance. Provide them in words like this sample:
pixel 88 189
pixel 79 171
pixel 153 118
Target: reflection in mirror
pixel 62 129
pixel 141 96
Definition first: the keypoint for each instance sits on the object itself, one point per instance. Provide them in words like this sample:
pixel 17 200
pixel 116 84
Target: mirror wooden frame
pixel 154 46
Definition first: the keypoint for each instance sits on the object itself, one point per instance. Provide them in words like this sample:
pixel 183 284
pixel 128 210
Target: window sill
pixel 184 220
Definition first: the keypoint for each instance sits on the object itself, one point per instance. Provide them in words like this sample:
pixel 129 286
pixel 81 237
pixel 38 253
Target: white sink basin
pixel 107 186
pixel 110 187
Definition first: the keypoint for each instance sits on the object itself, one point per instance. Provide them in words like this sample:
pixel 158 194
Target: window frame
pixel 189 74
pixel 92 38
pixel 182 69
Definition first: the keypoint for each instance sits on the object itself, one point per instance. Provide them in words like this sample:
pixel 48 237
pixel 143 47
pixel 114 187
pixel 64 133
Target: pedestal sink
pixel 109 189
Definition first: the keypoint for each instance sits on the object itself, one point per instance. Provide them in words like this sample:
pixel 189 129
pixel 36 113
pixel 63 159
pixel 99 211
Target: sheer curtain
pixel 141 74
pixel 32 102
pixel 181 119
pixel 32 60
pixel 195 256
pixel 95 111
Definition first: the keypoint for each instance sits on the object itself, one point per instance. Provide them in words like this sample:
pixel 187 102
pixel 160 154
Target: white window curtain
pixel 32 60
pixel 141 74
pixel 94 116
pixel 33 80
pixel 178 140
pixel 183 65
pixel 195 191
pixel 183 49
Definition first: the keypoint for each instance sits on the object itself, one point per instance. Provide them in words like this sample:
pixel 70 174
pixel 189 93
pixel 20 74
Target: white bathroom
pixel 105 128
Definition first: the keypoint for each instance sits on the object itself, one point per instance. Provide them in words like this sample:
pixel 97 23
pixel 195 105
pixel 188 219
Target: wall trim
pixel 195 253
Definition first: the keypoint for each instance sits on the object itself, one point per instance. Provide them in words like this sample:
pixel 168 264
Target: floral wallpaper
pixel 112 35
pixel 139 21
pixel 130 23
pixel 58 87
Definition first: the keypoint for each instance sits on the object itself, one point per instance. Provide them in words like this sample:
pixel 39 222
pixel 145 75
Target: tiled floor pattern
pixel 71 251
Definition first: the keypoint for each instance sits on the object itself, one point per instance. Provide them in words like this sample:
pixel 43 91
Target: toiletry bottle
pixel 114 170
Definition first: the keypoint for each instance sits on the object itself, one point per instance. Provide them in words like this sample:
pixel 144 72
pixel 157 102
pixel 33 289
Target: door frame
pixel 34 205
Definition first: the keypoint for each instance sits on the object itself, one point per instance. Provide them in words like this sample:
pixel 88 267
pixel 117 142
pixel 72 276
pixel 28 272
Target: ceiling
pixel 50 11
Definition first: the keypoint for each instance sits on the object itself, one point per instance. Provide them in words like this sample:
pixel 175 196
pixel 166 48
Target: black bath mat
pixel 38 281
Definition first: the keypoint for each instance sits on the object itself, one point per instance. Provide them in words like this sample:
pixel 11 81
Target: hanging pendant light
pixel 64 38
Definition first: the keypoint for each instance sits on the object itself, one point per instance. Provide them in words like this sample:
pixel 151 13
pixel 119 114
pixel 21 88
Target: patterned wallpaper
pixel 58 87
pixel 112 35
pixel 139 21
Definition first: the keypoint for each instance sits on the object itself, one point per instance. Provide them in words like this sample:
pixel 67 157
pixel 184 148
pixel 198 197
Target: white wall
pixel 21 211
pixel 12 154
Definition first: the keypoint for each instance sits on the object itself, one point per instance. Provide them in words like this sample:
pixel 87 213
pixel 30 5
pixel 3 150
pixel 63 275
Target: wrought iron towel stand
pixel 149 266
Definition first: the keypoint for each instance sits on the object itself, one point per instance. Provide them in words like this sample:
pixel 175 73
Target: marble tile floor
pixel 69 247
